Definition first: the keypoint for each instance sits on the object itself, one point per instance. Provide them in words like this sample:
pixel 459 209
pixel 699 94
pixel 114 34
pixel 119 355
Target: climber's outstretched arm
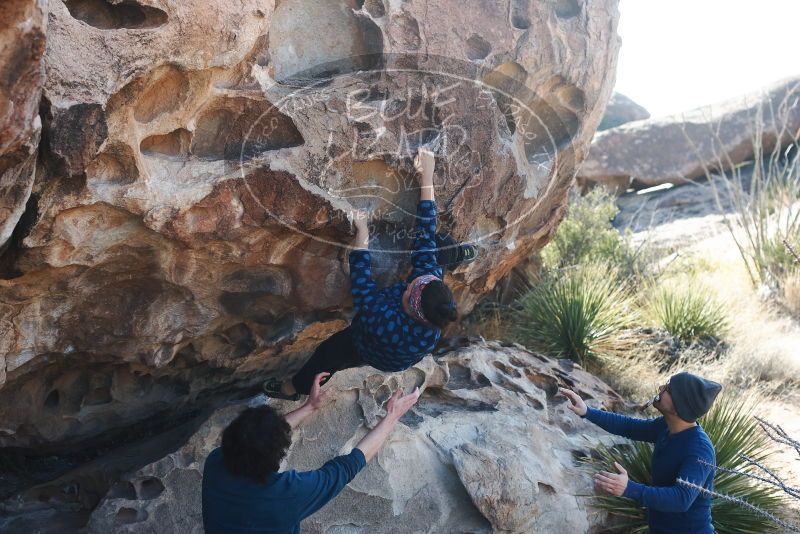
pixel 316 399
pixel 360 221
pixel 424 163
pixel 397 406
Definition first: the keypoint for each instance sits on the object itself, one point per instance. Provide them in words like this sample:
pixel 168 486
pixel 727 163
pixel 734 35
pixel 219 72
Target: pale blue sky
pixel 680 54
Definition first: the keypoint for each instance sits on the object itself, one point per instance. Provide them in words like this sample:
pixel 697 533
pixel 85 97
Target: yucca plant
pixel 687 311
pixel 575 313
pixel 734 432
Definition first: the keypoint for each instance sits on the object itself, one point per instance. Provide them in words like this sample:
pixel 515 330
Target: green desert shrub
pixel 587 235
pixel 734 432
pixel 688 311
pixel 576 313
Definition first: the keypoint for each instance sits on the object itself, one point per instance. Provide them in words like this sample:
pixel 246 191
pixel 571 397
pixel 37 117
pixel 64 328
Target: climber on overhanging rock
pixel 393 327
pixel 683 458
pixel 243 492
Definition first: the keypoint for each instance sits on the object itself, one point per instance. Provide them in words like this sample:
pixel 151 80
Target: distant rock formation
pixel 680 148
pixel 621 110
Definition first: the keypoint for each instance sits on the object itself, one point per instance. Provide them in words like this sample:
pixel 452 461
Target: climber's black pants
pixel 336 353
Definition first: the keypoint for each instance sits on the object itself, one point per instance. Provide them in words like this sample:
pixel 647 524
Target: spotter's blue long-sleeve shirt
pixel 236 505
pixel 672 508
pixel 385 336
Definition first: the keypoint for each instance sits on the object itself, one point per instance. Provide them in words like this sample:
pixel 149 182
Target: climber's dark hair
pixel 438 305
pixel 254 444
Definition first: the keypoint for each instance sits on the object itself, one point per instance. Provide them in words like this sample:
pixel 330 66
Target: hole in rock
pixel 506 369
pixel 564 377
pixel 535 403
pixel 98 388
pixel 98 396
pixel 547 489
pixel 461 377
pixel 266 280
pixel 382 395
pixel 520 18
pixel 478 48
pixel 482 380
pixel 541 358
pixel 13 249
pixel 127 516
pixel 274 331
pixel 417 378
pixel 52 400
pixel 241 337
pixel 517 362
pixel 508 83
pixel 570 96
pixel 436 401
pixel 150 488
pixel 164 94
pixel 548 128
pixel 106 15
pixel 172 145
pixel 511 386
pixel 404 31
pixel 312 40
pixel 234 128
pixel 122 490
pixel 566 9
pixel 114 166
pixel 375 8
pixel 411 419
pixel 546 382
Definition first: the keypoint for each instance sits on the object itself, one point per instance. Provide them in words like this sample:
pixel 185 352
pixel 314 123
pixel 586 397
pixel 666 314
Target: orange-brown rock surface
pixel 198 159
pixel 22 44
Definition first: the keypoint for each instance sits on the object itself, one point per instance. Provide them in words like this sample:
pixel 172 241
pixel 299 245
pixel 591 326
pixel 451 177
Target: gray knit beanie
pixel 692 395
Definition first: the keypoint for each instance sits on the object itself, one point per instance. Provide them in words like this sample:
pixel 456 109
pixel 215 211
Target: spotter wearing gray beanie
pixel 692 396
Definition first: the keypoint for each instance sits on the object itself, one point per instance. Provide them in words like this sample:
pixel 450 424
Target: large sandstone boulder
pixel 621 110
pixel 198 161
pixel 680 148
pixel 22 44
pixel 488 448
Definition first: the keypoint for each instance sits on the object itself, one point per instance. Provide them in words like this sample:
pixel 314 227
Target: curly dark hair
pixel 438 305
pixel 254 444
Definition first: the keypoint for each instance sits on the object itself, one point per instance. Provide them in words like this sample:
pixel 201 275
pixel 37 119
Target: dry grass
pixel 791 293
pixel 763 354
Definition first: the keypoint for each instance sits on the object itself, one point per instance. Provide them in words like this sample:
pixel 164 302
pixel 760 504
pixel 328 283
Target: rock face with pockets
pixel 183 237
pixel 488 448
pixel 683 147
pixel 23 25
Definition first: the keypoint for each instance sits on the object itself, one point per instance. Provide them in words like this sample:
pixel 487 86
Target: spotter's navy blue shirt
pixel 385 336
pixel 672 508
pixel 237 505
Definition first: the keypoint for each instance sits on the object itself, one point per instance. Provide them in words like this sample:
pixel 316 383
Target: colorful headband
pixel 415 298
